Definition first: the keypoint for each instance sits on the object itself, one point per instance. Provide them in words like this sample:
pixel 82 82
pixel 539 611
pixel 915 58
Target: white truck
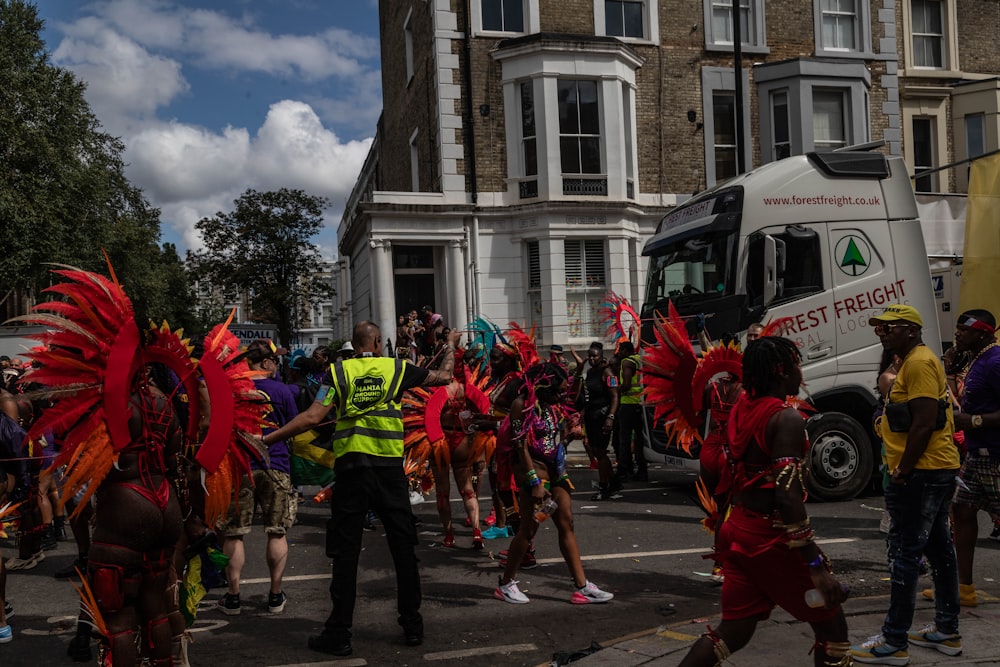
pixel 825 239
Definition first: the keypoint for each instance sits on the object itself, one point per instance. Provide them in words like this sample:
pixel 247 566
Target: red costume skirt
pixel 761 571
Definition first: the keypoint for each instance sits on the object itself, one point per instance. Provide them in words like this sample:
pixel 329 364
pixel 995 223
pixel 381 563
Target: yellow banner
pixel 981 266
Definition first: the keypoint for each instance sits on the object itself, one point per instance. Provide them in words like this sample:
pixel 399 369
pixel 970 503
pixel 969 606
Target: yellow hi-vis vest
pixel 634 395
pixel 369 417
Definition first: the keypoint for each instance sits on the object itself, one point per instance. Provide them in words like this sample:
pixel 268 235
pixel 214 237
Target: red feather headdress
pixel 237 414
pixel 422 409
pixel 89 360
pixel 621 318
pixel 675 378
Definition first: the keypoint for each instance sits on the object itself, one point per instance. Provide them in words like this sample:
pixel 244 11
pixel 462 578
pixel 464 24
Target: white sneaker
pixel 590 594
pixel 509 592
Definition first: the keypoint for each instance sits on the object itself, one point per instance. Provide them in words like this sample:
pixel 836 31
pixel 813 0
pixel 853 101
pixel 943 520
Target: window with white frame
pixel 414 163
pixel 724 122
pixel 580 122
pixel 630 20
pixel 843 27
pixel 534 284
pixel 408 45
pixel 829 119
pixel 925 138
pixel 781 133
pixel 719 111
pixel 923 153
pixel 927 29
pixel 975 135
pixel 503 15
pixel 840 25
pixel 719 31
pixel 528 142
pixel 580 136
pixel 813 105
pixel 586 284
pixel 623 18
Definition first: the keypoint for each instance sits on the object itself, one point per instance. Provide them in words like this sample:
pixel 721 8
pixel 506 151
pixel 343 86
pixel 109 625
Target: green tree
pixel 64 196
pixel 264 248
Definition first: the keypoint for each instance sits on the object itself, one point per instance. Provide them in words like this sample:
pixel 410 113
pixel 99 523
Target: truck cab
pixel 825 239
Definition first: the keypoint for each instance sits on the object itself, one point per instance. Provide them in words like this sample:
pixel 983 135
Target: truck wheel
pixel 840 457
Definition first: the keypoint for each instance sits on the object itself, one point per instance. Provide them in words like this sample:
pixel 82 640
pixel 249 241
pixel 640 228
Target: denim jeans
pixel 919 512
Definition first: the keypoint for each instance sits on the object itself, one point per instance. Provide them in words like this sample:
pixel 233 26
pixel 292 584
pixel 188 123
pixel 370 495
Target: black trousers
pixel 385 490
pixel 631 438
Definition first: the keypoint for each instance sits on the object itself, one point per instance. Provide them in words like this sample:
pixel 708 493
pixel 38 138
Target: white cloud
pixel 192 173
pixel 124 81
pixel 239 43
pixel 177 162
pixel 133 56
pixel 294 147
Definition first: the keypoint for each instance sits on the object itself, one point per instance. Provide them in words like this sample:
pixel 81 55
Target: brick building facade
pixel 527 148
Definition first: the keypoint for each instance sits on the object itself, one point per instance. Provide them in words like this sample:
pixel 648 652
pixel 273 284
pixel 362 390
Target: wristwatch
pixel 977 421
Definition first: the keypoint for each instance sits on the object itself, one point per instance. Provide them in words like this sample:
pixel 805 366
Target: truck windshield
pixel 694 270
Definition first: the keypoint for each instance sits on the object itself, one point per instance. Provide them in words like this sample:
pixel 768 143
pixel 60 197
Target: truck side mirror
pixel 770 268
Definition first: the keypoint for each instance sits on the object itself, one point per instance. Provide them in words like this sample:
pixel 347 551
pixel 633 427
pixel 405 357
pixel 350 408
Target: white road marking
pixel 347 662
pixel 650 554
pixel 484 650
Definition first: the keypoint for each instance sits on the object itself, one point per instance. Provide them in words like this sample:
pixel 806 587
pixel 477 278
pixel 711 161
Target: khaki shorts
pixel 272 491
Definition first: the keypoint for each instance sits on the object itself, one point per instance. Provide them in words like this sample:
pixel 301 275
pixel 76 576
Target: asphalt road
pixel 646 548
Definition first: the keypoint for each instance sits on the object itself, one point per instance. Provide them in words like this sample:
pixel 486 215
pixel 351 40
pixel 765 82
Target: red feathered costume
pixel 761 570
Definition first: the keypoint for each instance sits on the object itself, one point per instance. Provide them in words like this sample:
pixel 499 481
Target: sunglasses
pixel 889 328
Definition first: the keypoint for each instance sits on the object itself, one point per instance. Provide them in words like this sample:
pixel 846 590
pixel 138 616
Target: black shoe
pixel 8 610
pixel 414 638
pixel 276 602
pixel 326 644
pixel 229 604
pixel 79 648
pixel 69 571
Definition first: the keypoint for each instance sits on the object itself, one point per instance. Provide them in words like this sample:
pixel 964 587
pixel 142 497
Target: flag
pixel 981 264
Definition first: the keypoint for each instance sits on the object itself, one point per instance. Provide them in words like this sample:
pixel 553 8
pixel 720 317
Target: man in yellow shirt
pixel 917 428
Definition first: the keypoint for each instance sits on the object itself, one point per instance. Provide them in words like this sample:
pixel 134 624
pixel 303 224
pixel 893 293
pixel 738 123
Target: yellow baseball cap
pixel 898 312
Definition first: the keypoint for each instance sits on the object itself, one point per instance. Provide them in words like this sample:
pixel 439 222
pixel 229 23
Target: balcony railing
pixel 586 186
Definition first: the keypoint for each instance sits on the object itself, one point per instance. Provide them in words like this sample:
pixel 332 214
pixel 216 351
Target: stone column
pixel 385 293
pixel 455 296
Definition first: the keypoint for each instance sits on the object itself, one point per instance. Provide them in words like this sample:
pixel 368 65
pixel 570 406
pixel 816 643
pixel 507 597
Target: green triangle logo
pixel 853 258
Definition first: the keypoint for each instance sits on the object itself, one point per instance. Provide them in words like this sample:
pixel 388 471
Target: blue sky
pixel 212 97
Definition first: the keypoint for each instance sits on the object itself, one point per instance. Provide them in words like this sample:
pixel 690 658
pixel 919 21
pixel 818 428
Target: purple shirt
pixel 283 410
pixel 980 396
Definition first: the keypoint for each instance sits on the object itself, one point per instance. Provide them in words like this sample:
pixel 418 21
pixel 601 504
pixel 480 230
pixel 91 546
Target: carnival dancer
pixel 440 434
pixel 366 391
pixel 122 443
pixel 505 376
pixel 536 424
pixel 767 544
pixel 597 397
pixel 449 424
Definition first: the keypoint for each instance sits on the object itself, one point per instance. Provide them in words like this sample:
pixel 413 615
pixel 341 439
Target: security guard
pixel 630 414
pixel 365 392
